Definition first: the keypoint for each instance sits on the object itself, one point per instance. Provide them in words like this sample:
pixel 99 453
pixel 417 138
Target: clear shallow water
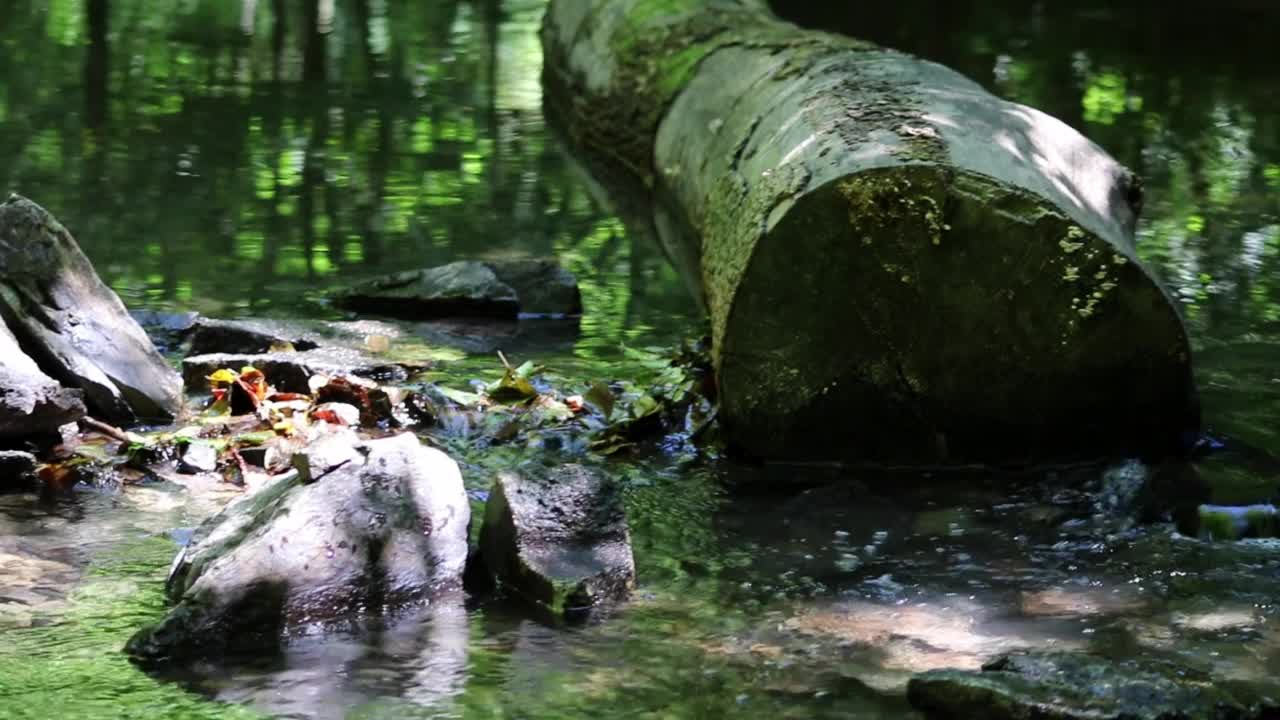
pixel 213 162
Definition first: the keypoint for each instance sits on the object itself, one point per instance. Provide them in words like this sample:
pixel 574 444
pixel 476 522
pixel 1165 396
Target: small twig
pixel 503 358
pixel 110 431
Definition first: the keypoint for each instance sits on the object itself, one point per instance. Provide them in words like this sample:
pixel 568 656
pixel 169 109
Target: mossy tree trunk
pixel 897 265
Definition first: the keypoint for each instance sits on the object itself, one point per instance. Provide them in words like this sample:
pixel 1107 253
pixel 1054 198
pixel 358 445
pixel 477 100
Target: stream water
pixel 220 157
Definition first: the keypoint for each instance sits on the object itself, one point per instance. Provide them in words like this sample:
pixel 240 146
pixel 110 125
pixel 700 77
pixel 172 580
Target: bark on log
pixel 896 264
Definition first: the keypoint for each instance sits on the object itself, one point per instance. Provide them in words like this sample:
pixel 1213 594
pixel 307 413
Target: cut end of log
pixel 974 321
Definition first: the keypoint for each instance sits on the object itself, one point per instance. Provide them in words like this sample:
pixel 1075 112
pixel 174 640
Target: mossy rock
pixel 558 538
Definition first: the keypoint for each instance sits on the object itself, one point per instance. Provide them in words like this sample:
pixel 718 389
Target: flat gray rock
pixel 291 371
pixel 558 538
pixel 210 336
pixel 1076 686
pixel 488 288
pixel 457 289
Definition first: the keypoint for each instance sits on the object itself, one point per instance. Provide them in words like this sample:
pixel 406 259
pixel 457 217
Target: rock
pixel 17 470
pixel 199 457
pixel 167 322
pixel 559 538
pixel 31 402
pixel 343 413
pixel 460 288
pixel 381 532
pixel 484 336
pixel 262 336
pixel 542 285
pixel 497 288
pixel 166 330
pixel 1069 686
pixel 291 371
pixel 327 455
pixel 74 326
pixel 1135 492
pixel 475 335
pixel 250 337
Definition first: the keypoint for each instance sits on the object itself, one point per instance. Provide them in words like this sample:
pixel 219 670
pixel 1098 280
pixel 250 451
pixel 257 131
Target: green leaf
pixel 513 387
pixel 461 397
pixel 644 406
pixel 253 439
pixel 527 370
pixel 601 398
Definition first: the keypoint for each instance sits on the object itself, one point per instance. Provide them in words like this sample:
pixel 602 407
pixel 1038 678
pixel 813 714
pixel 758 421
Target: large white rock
pixel 384 530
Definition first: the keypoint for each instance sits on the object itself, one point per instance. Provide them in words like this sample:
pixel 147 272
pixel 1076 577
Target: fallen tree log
pixel 896 264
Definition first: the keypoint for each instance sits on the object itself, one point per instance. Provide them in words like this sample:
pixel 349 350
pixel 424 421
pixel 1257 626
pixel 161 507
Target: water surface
pixel 222 157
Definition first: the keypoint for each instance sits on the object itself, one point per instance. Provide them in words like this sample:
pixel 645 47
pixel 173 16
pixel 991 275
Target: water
pixel 212 157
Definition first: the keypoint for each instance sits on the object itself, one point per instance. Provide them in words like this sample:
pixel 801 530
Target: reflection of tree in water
pixel 217 153
pixel 212 154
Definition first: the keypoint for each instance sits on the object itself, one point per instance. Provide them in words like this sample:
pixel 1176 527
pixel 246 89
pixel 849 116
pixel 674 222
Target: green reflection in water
pixel 219 156
pixel 73 667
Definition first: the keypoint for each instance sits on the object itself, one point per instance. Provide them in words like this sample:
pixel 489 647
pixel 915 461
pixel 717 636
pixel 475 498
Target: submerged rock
pixel 31 402
pixel 559 538
pixel 385 529
pixel 1070 686
pixel 501 288
pixel 17 470
pixel 292 371
pixel 1135 492
pixel 73 326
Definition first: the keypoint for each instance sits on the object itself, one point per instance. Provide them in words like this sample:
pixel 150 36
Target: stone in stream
pixel 179 322
pixel 73 326
pixel 326 455
pixel 500 288
pixel 542 285
pixel 292 371
pixel 17 470
pixel 199 457
pixel 476 335
pixel 1071 686
pixel 31 402
pixel 209 335
pixel 558 537
pixel 1133 490
pixel 385 530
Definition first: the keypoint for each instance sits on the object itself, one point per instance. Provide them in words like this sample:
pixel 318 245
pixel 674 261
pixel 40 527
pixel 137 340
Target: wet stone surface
pixel 1065 686
pixel 558 538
